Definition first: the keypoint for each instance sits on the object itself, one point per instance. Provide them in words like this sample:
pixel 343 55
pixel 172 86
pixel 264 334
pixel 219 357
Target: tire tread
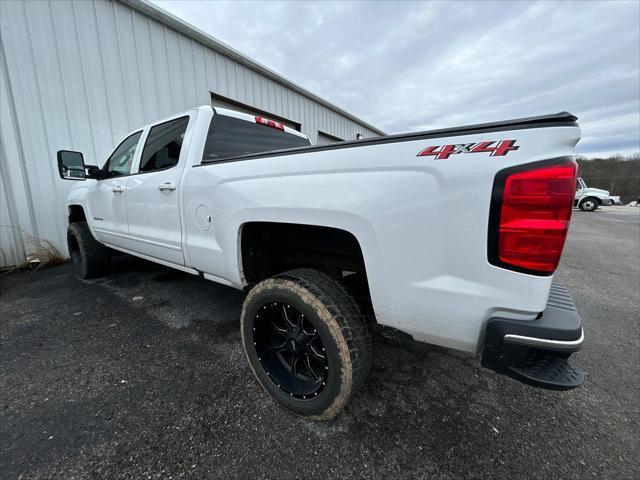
pixel 95 256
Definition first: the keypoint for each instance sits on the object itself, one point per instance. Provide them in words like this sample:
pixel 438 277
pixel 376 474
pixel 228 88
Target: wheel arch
pixel 272 236
pixel 591 197
pixel 267 248
pixel 76 213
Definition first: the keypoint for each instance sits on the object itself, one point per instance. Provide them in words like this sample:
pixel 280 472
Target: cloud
pixel 406 66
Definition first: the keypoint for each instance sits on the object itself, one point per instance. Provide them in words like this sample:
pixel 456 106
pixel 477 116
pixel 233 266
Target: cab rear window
pixel 230 137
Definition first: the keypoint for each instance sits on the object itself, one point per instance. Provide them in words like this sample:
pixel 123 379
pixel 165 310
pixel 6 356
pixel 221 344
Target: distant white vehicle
pixel 589 199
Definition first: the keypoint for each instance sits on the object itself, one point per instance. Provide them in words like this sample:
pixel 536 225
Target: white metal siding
pixel 324 139
pixel 81 74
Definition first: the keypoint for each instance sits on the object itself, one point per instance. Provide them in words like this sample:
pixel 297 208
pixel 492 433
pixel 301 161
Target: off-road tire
pixel 341 327
pixel 89 257
pixel 589 204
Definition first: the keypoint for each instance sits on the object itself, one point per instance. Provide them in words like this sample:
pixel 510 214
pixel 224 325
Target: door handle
pixel 117 189
pixel 167 186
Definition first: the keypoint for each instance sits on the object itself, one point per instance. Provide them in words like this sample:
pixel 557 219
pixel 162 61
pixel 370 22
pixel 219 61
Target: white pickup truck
pixel 329 241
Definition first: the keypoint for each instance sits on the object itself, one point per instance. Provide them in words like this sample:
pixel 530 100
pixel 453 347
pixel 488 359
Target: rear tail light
pixel 269 123
pixel 530 213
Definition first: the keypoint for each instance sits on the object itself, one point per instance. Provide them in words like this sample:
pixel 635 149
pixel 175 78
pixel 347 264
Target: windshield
pixel 232 137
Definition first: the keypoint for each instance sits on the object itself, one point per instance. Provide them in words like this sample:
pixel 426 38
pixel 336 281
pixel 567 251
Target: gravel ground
pixel 141 375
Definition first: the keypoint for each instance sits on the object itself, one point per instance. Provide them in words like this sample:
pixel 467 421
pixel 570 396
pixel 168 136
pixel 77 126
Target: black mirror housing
pixel 71 165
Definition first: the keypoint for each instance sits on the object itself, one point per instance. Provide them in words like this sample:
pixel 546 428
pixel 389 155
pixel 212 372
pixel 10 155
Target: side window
pixel 163 145
pixel 119 163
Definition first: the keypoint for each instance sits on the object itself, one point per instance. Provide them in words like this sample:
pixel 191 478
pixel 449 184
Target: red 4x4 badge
pixel 495 148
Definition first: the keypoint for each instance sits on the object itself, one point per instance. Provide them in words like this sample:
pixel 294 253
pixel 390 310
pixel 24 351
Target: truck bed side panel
pixel 421 222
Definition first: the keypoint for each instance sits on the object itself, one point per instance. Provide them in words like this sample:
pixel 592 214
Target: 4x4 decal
pixel 495 148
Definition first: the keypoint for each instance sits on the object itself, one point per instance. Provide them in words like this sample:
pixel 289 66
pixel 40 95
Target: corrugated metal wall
pixel 79 75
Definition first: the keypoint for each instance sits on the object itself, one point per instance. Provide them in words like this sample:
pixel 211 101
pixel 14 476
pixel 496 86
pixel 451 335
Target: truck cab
pixel 589 199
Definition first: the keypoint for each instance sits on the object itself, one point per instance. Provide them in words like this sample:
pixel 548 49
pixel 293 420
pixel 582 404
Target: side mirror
pixel 71 165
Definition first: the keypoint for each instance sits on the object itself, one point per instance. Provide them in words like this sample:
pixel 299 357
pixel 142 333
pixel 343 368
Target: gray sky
pixel 406 66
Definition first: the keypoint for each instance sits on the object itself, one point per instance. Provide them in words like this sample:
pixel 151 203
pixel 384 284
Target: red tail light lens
pixel 530 216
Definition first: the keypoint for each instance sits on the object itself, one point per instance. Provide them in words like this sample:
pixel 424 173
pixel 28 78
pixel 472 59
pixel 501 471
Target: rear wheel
pixel 589 204
pixel 306 341
pixel 89 257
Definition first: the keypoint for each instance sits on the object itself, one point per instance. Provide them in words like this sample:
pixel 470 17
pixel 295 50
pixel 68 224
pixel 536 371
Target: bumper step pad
pixel 535 352
pixel 548 371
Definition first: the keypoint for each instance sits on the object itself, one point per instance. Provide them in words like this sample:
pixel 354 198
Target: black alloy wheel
pixel 307 341
pixel 290 350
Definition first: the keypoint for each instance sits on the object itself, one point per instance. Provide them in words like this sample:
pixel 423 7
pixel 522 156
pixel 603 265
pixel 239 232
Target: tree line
pixel 619 175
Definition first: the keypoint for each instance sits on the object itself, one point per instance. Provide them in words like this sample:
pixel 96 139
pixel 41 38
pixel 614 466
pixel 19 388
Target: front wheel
pixel 89 257
pixel 307 342
pixel 589 205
